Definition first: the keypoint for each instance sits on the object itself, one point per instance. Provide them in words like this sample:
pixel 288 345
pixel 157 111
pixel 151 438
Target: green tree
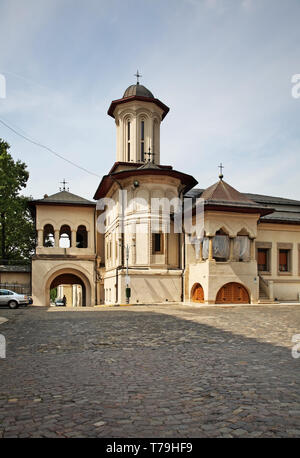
pixel 17 233
pixel 53 294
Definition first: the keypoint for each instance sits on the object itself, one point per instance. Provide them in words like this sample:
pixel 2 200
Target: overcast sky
pixel 224 68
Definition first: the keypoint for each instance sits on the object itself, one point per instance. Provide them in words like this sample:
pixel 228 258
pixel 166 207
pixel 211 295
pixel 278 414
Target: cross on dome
pixel 138 75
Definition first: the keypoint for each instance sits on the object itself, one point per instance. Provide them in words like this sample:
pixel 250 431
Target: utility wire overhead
pixel 48 149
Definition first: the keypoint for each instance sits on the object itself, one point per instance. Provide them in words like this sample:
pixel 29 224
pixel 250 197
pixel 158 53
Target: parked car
pixel 12 299
pixel 59 303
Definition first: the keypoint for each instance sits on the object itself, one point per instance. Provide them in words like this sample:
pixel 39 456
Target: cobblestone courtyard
pixel 164 371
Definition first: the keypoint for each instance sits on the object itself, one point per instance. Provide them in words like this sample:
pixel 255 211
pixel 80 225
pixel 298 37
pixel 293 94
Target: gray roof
pixel 272 199
pixel 24 268
pixel 137 89
pixel 285 210
pixel 65 197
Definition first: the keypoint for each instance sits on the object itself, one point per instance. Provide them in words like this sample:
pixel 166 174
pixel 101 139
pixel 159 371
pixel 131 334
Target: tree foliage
pixel 17 233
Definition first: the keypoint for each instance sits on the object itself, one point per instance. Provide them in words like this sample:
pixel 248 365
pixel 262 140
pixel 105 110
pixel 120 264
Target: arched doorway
pixel 71 286
pixel 233 293
pixel 197 293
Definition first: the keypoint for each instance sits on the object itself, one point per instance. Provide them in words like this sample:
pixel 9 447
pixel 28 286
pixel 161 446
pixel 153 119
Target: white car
pixel 12 299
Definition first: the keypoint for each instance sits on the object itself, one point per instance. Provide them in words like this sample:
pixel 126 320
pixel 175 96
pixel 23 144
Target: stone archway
pixel 70 279
pixel 69 276
pixel 197 293
pixel 233 293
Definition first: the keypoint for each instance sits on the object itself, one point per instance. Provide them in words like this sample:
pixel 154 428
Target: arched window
pixel 241 246
pixel 142 140
pixel 221 246
pixel 128 140
pixel 48 236
pixel 65 236
pixel 81 237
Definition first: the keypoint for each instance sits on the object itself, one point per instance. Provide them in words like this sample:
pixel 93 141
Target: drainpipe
pixel 95 249
pixel 119 267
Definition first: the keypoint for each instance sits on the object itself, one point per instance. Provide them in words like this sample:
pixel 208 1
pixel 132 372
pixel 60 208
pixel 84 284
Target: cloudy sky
pixel 224 68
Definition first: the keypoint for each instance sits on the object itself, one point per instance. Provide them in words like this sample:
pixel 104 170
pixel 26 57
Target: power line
pixel 48 149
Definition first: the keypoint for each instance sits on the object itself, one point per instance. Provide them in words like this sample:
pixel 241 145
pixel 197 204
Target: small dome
pixel 139 90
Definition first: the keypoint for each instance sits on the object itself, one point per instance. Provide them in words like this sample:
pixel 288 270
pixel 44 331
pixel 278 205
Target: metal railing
pixel 267 286
pixel 17 288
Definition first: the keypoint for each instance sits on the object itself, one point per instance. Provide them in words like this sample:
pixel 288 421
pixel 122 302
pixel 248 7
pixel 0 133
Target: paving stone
pixel 162 371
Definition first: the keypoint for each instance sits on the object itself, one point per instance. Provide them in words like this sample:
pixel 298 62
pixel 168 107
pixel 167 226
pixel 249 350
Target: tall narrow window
pixel 284 256
pixel 142 140
pixel 65 236
pixel 153 140
pixel 263 259
pixel 157 243
pixel 128 151
pixel 48 236
pixel 81 237
pixel 128 141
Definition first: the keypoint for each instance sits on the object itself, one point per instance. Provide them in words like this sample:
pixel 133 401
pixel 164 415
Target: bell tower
pixel 138 115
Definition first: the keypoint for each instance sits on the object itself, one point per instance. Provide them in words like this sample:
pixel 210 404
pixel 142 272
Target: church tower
pixel 138 115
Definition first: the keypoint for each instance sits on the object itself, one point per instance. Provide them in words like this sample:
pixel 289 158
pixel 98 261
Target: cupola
pixel 138 115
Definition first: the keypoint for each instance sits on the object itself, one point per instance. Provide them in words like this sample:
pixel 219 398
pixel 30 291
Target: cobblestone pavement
pixel 164 371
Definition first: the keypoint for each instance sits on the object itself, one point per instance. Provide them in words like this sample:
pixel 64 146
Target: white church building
pixel 117 249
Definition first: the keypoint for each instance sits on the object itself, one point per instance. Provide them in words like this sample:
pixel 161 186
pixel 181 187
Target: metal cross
pixel 221 167
pixel 149 154
pixel 138 75
pixel 64 182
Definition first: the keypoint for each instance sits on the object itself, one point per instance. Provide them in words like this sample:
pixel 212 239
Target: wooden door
pixel 233 293
pixel 197 294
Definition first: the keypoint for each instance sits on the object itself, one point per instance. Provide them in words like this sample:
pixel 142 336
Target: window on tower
pixel 128 141
pixel 157 243
pixel 142 140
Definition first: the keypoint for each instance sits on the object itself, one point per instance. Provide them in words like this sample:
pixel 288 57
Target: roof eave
pixel 237 208
pixel 157 102
pixel 65 204
pixel 108 180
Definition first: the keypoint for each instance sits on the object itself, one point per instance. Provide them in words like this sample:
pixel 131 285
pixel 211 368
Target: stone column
pixel 231 253
pixel 252 249
pixel 56 237
pixel 40 238
pixel 200 250
pixel 210 249
pixel 134 142
pixel 73 238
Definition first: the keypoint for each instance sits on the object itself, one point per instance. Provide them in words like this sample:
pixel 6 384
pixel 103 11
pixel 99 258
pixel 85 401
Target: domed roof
pixel 139 90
